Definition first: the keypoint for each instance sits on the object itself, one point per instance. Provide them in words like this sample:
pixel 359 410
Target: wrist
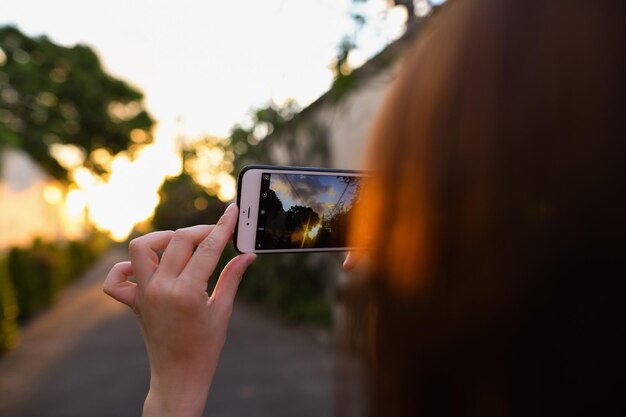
pixel 180 394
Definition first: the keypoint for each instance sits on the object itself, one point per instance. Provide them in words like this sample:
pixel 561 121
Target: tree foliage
pixel 51 94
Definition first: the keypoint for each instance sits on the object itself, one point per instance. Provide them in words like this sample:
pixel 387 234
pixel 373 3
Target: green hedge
pixel 31 279
pixel 295 285
pixel 9 334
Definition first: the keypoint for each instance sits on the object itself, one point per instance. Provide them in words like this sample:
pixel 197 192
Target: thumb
pixel 353 258
pixel 117 286
pixel 226 288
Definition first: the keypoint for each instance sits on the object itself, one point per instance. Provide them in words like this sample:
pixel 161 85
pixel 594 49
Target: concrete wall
pixel 351 119
pixel 340 126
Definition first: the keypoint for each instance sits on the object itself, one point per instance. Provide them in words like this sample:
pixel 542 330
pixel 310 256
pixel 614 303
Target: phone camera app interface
pixel 305 211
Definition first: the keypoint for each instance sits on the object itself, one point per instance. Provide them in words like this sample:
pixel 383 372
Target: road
pixel 85 357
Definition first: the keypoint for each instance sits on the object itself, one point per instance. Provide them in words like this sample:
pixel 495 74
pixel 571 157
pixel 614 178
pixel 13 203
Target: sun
pixel 314 230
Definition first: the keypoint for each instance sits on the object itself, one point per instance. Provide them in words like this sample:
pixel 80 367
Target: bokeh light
pixel 128 195
pixel 52 194
pixel 423 8
pixel 210 164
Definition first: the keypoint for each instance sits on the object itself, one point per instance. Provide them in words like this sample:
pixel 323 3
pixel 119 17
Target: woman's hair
pixel 495 215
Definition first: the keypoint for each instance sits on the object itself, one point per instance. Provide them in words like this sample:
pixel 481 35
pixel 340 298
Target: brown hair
pixel 495 216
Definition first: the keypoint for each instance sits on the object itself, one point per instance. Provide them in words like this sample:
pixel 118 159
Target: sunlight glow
pixel 52 194
pixel 227 186
pixel 73 213
pixel 313 232
pixel 68 156
pixel 210 167
pixel 102 157
pixel 116 203
pixel 75 203
pixel 209 78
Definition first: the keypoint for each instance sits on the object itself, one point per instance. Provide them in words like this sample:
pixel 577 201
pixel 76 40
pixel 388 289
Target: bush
pixel 31 280
pixel 9 333
pixel 296 285
pixel 40 272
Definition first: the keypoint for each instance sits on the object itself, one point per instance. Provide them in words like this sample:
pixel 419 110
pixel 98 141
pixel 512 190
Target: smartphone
pixel 292 209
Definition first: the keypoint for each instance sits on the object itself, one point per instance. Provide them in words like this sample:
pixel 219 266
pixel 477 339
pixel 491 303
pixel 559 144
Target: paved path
pixel 85 357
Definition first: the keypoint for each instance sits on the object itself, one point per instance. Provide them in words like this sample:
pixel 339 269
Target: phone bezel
pixel 249 179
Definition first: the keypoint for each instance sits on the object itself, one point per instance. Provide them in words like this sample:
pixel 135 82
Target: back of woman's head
pixel 495 216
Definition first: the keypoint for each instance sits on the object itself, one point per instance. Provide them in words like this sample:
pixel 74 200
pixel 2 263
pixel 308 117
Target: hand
pixel 352 260
pixel 184 328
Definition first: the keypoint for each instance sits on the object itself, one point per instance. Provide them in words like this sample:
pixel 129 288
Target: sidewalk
pixel 85 357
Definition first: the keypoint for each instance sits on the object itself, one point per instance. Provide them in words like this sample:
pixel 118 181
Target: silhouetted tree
pixel 184 203
pixel 298 217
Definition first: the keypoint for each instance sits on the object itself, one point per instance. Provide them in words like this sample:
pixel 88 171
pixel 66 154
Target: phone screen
pixel 305 210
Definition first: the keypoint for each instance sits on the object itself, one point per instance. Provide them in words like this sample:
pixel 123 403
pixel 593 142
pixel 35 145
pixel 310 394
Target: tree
pixel 409 5
pixel 51 94
pixel 416 10
pixel 184 203
pixel 299 217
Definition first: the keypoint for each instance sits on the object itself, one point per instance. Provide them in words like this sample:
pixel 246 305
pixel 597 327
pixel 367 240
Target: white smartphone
pixel 292 209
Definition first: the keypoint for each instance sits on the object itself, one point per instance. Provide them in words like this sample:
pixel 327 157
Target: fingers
pixel 206 256
pixel 226 288
pixel 142 251
pixel 180 249
pixel 352 260
pixel 117 286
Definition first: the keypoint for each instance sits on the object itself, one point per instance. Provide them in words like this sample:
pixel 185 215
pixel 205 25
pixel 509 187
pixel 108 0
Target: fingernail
pixel 229 208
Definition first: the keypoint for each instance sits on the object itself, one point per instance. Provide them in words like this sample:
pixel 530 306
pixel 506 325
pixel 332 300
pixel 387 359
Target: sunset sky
pixel 320 192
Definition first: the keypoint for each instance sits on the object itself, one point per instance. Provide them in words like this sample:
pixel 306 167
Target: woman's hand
pixel 352 259
pixel 183 327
